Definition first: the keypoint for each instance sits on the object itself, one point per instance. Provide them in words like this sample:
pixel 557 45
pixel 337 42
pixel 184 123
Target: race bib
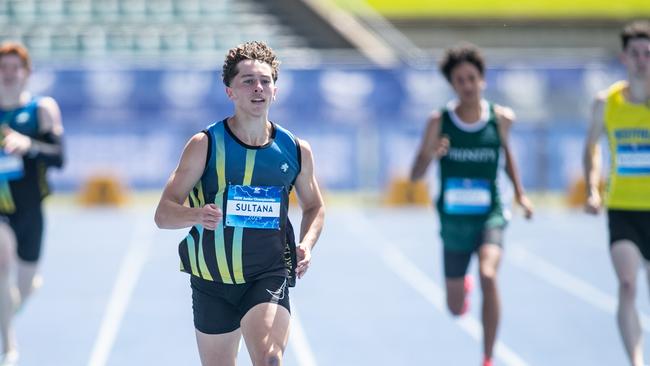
pixel 464 196
pixel 633 159
pixel 11 166
pixel 255 207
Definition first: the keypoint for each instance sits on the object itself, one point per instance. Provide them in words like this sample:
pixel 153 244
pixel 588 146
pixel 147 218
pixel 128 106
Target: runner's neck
pixel 13 101
pixel 254 132
pixel 469 111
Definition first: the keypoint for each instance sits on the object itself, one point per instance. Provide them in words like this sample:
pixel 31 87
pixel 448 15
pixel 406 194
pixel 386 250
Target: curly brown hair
pixel 635 30
pixel 17 49
pixel 464 52
pixel 255 50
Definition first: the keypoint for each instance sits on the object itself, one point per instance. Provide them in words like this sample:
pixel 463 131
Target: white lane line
pixel 567 282
pixel 299 343
pixel 419 281
pixel 406 270
pixel 134 259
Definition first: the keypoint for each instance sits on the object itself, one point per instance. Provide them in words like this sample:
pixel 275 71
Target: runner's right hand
pixel 594 204
pixel 210 216
pixel 14 142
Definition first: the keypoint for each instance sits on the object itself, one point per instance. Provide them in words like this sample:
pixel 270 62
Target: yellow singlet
pixel 628 132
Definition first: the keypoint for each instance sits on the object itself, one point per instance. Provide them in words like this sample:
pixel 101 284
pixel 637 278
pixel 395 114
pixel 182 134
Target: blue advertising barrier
pixel 364 123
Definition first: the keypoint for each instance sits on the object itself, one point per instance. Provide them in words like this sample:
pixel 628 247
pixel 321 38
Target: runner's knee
pixel 5 262
pixel 488 277
pixel 270 358
pixel 627 287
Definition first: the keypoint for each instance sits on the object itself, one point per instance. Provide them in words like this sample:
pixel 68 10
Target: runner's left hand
pixel 303 254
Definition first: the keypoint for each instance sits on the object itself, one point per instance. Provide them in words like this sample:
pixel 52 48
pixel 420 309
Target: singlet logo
pixel 632 134
pixel 22 117
pixel 479 155
pixel 284 167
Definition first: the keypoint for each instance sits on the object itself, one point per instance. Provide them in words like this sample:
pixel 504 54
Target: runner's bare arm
pixel 506 118
pixel 431 146
pixel 313 208
pixel 171 213
pixel 592 158
pixel 49 116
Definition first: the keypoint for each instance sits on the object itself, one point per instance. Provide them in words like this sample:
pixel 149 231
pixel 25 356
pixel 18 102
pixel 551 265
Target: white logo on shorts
pixel 279 293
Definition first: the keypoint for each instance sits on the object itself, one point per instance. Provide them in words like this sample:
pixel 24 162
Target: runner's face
pixel 636 57
pixel 253 88
pixel 13 73
pixel 467 81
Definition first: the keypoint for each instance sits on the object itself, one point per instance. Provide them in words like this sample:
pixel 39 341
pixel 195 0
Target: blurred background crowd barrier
pixel 363 123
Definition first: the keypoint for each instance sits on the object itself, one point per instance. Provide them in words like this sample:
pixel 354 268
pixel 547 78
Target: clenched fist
pixel 210 216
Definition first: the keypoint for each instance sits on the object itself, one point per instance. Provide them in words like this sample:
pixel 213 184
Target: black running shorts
pixel 456 262
pixel 630 225
pixel 27 225
pixel 219 308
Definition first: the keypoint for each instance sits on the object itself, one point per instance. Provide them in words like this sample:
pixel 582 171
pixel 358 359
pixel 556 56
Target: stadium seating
pixel 83 29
